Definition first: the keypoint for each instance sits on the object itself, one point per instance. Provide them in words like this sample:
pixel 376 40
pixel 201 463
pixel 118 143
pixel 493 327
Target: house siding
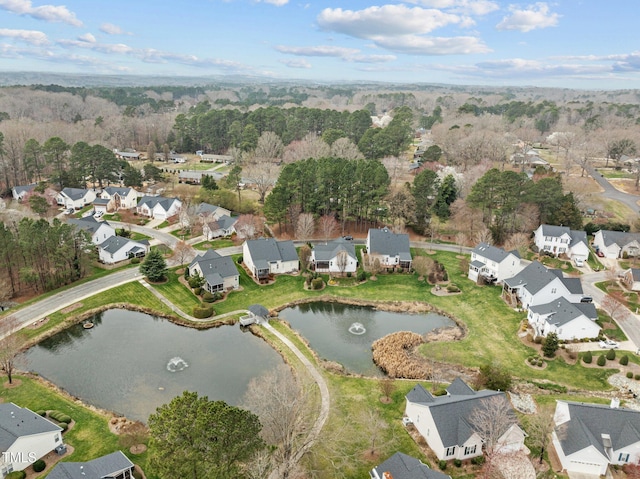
pixel 37 444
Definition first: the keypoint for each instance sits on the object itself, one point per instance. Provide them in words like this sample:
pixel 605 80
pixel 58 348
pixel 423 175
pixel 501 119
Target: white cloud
pixel 33 37
pixel 111 29
pixel 296 63
pixel 386 20
pixel 371 58
pixel 48 13
pixel 532 18
pixel 110 48
pixel 277 3
pixel 87 37
pixel 318 51
pixel 419 45
pixel 469 7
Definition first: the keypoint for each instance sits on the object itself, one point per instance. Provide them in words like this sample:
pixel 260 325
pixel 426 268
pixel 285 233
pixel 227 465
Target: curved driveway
pixel 613 193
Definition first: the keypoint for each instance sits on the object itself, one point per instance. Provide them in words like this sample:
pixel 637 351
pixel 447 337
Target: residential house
pixel 112 466
pixel 569 321
pixel 590 437
pixel 493 264
pixel 559 240
pixel 119 198
pixel 336 257
pixel 191 177
pixel 402 466
pixel 391 249
pixel 19 192
pixel 219 228
pixel 266 256
pixel 616 244
pixel 76 198
pixel 209 158
pixel 447 422
pixel 25 437
pixel 158 207
pixel 219 272
pixel 631 277
pixel 117 248
pixel 208 212
pixel 99 230
pixel 257 314
pixel 127 155
pixel 536 284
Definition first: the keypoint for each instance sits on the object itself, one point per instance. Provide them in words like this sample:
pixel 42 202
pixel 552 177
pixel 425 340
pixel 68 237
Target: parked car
pixel 70 211
pixel 348 237
pixel 600 254
pixel 579 262
pixel 98 214
pixel 586 299
pixel 608 344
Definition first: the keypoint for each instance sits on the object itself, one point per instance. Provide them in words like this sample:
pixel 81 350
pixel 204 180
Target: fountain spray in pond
pixel 357 328
pixel 176 364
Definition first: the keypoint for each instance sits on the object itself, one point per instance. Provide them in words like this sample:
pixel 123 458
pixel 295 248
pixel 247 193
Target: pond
pixel 344 333
pixel 131 362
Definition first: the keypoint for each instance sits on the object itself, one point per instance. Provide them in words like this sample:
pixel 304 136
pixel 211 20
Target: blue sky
pixel 589 44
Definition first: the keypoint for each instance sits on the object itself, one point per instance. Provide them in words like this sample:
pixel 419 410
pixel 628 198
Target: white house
pixel 99 230
pixel 536 284
pixel 158 207
pixel 119 198
pixel 76 198
pixel 208 212
pixel 337 257
pixel 25 437
pixel 616 244
pixel 590 437
pixel 403 466
pixel 447 422
pixel 117 248
pixel 112 466
pixel 559 240
pixel 493 264
pixel 631 277
pixel 266 256
pixel 19 192
pixel 389 248
pixel 219 272
pixel 221 227
pixel 569 321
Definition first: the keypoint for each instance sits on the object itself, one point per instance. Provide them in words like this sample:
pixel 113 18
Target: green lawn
pixel 216 244
pixel 90 437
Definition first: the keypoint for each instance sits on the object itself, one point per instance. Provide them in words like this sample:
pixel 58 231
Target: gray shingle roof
pixel 555 231
pixel 492 253
pixel 635 273
pixel 101 467
pixel 258 310
pixel 215 268
pixel 224 223
pixel 269 250
pixel 152 201
pixel 578 237
pixel 590 421
pixel 452 414
pixel 16 422
pixel 206 208
pixel 536 276
pixel 328 251
pixel 561 311
pixel 116 243
pixel 112 190
pixel 618 237
pixel 402 466
pixel 588 309
pixel 24 188
pixel 384 241
pixel 459 388
pixel 75 193
pixel 87 223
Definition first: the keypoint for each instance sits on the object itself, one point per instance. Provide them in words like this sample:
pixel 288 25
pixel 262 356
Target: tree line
pixel 42 255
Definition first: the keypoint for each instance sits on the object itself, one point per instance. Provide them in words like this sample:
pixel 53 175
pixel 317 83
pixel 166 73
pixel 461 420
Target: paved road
pixel 612 193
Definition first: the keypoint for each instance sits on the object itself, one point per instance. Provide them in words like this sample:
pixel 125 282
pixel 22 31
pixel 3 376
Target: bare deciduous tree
pixel 342 261
pixel 518 242
pixel 422 266
pixel 614 306
pixel 328 227
pixel 539 427
pixel 269 146
pixel 9 346
pixel 347 149
pixel 311 146
pixel 282 404
pixel 305 256
pixel 305 226
pixel 263 174
pixel 182 252
pixel 246 227
pixel 490 420
pixel 387 387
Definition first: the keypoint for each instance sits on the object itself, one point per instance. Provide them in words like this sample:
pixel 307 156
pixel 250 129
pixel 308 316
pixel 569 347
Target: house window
pixel 553 290
pixel 450 451
pixel 623 457
pixel 469 450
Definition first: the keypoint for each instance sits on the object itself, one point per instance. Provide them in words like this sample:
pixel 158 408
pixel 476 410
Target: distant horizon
pixel 203 80
pixel 490 43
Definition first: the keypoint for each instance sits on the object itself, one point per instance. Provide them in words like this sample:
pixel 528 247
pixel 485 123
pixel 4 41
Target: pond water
pixel 344 333
pixel 131 362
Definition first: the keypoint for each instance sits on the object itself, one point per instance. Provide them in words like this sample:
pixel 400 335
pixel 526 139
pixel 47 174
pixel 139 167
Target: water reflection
pixel 121 363
pixel 329 329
